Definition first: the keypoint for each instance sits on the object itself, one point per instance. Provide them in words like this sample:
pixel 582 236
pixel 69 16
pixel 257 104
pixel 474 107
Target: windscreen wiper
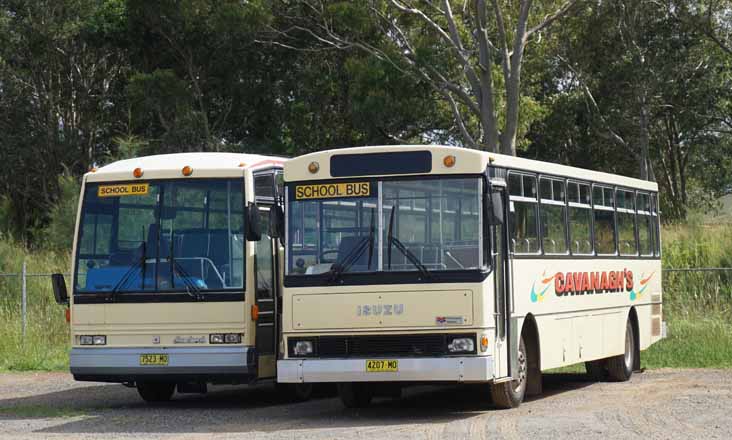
pixel 366 243
pixel 139 264
pixel 403 249
pixel 175 267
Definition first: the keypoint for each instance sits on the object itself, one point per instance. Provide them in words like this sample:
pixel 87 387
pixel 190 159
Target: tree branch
pixel 551 18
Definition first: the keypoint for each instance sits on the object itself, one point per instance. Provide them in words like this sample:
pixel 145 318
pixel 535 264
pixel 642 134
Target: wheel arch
pixel 530 333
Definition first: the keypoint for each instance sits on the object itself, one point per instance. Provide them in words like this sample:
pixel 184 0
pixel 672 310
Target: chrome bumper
pixel 184 363
pixel 449 369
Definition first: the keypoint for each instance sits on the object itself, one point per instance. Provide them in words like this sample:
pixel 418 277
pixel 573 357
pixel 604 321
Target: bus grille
pixel 382 345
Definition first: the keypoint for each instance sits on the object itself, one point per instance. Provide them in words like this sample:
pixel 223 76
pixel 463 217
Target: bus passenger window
pixel 656 224
pixel 523 214
pixel 553 209
pixel 580 218
pixel 603 200
pixel 626 222
pixel 645 224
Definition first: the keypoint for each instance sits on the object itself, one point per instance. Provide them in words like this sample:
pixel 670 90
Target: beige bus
pixel 427 264
pixel 174 284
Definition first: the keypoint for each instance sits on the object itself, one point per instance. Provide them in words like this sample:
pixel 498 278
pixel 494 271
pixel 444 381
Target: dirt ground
pixel 656 404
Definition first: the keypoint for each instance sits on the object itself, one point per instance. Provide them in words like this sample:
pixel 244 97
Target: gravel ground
pixel 655 404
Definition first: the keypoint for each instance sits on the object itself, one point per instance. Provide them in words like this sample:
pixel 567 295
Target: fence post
pixel 24 299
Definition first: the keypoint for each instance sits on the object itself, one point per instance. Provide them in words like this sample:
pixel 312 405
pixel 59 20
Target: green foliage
pixel 58 234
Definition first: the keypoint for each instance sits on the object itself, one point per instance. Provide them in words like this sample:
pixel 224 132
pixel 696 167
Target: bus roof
pixel 468 161
pixel 166 166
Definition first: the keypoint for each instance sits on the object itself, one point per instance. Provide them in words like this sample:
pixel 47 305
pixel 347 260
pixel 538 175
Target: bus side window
pixel 580 218
pixel 645 224
pixel 626 222
pixel 523 221
pixel 553 209
pixel 656 224
pixel 604 210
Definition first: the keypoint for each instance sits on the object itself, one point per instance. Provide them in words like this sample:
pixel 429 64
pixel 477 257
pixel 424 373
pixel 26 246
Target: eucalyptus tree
pixel 471 53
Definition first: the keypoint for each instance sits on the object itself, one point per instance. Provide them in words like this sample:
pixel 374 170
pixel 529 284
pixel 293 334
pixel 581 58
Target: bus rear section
pixel 164 285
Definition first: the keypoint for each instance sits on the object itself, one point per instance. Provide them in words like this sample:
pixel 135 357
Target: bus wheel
pixel 620 367
pixel 510 394
pixel 299 392
pixel 155 391
pixel 596 370
pixel 355 395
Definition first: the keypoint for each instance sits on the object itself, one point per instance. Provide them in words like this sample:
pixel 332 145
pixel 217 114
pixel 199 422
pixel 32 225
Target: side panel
pixel 584 319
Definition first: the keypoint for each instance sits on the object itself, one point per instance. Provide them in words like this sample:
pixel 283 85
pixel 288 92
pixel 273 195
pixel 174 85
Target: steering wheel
pixel 322 257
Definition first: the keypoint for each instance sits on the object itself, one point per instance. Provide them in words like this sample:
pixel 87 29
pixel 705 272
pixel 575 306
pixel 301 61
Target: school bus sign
pixel 131 189
pixel 333 190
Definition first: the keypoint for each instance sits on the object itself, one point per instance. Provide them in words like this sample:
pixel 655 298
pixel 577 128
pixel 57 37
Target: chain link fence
pixel 33 288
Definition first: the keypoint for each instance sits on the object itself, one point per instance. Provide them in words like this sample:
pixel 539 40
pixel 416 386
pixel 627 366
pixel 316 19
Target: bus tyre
pixel 597 370
pixel 620 367
pixel 155 391
pixel 511 393
pixel 298 392
pixel 355 395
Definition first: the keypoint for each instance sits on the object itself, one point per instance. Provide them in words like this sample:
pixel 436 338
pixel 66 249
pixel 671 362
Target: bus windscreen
pixel 161 236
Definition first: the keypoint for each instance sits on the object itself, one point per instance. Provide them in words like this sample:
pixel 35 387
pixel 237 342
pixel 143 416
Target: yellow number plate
pixel 153 359
pixel 382 366
pixel 332 190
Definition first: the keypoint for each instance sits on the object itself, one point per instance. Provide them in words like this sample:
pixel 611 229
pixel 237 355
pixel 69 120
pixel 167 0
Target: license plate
pixel 382 366
pixel 153 359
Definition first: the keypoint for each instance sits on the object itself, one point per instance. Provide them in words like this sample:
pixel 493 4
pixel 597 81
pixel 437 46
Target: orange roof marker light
pixel 138 172
pixel 313 167
pixel 449 161
pixel 242 164
pixel 187 171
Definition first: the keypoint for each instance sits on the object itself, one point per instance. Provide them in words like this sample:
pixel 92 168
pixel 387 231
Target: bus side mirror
pixel 276 222
pixel 497 208
pixel 254 230
pixel 59 289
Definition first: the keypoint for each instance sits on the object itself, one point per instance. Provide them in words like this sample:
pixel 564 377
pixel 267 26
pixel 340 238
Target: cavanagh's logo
pixel 545 284
pixel 644 285
pixel 589 283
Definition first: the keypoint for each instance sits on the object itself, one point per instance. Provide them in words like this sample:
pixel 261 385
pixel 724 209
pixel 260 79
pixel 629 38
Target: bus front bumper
pixel 222 364
pixel 448 369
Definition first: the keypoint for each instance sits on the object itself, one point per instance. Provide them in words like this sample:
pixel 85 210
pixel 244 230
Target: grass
pixel 45 346
pixel 697 306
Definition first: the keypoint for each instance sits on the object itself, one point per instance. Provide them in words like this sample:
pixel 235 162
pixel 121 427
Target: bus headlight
pixel 302 347
pixel 232 338
pixel 461 345
pixel 92 340
pixel 224 338
pixel 86 340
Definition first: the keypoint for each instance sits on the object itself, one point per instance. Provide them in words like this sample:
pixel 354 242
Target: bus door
pixel 267 291
pixel 506 346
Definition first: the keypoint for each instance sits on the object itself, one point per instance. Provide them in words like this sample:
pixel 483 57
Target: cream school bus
pixel 174 284
pixel 414 264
